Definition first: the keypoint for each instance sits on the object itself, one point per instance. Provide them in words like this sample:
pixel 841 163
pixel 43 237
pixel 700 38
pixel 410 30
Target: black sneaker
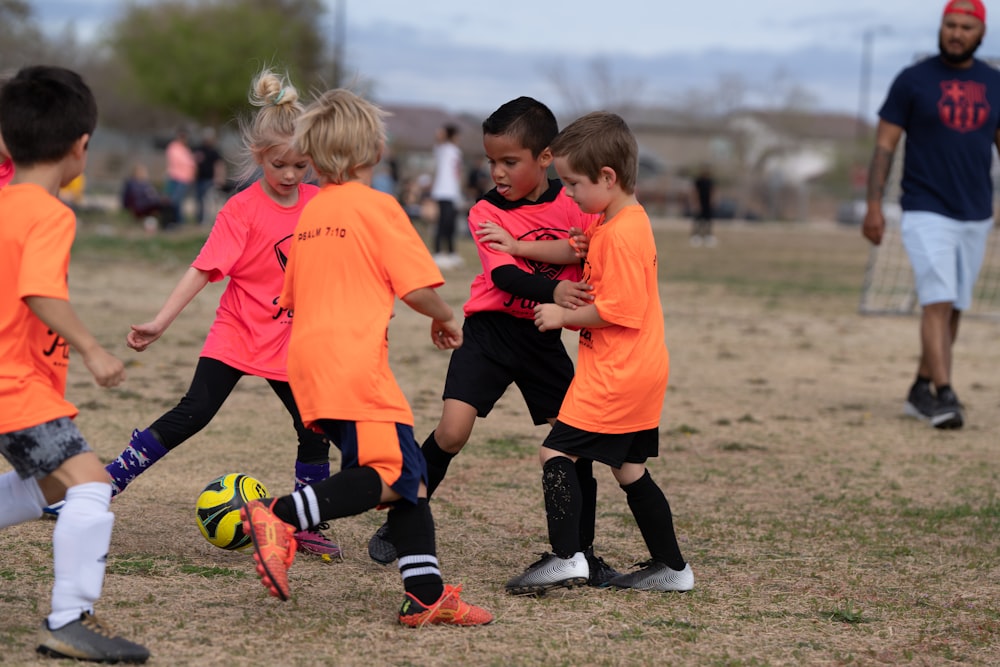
pixel 601 573
pixel 380 549
pixel 88 639
pixel 920 402
pixel 948 411
pixel 655 576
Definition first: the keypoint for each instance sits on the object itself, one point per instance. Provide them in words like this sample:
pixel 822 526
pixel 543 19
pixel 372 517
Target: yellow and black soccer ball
pixel 218 509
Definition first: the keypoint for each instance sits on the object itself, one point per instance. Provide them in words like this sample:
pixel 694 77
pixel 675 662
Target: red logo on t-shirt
pixel 963 106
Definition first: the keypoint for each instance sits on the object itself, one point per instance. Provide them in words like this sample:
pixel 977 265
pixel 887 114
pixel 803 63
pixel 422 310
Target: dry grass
pixel 823 528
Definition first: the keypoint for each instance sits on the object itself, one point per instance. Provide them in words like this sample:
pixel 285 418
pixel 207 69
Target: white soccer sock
pixel 80 544
pixel 20 499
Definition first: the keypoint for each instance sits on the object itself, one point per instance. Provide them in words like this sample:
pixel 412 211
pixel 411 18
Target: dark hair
pixel 597 140
pixel 43 111
pixel 525 119
pixel 450 131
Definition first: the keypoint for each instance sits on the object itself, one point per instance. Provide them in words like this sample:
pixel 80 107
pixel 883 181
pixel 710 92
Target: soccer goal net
pixel 888 286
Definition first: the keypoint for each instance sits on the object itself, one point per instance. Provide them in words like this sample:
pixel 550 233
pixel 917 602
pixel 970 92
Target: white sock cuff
pixel 306 507
pixel 95 496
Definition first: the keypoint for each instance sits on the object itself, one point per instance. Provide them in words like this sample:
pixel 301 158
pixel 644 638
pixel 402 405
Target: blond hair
pixel 279 109
pixel 597 140
pixel 341 133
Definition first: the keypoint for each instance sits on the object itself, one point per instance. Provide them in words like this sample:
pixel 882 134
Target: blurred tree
pixel 196 57
pixel 20 38
pixel 601 88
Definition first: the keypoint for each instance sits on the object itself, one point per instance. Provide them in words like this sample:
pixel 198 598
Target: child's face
pixel 284 169
pixel 589 196
pixel 516 173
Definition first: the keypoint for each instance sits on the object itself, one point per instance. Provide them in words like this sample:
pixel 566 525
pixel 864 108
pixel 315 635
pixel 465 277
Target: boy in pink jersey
pixel 502 346
pixel 249 244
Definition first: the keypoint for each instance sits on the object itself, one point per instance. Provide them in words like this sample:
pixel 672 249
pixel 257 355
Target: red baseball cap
pixel 968 7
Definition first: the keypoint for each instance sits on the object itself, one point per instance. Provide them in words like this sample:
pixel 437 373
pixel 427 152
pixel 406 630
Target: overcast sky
pixel 751 37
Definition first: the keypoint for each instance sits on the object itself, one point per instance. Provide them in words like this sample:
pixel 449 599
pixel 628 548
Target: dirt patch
pixel 822 526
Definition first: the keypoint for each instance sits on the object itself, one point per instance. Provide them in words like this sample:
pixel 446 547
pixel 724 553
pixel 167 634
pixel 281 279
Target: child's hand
pixel 496 238
pixel 106 368
pixel 569 294
pixel 143 335
pixel 446 335
pixel 579 241
pixel 550 316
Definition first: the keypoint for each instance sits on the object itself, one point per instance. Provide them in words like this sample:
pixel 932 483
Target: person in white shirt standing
pixel 446 191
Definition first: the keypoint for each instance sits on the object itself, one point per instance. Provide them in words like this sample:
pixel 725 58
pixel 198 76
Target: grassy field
pixel 822 526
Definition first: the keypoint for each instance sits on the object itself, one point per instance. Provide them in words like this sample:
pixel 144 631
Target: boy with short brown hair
pixel 611 413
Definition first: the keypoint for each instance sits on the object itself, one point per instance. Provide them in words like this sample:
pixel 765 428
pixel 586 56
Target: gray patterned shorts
pixel 39 450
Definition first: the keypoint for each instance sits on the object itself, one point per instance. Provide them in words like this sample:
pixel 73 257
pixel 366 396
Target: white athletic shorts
pixel 945 254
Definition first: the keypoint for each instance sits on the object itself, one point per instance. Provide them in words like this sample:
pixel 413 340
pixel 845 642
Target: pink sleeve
pixel 489 258
pixel 225 245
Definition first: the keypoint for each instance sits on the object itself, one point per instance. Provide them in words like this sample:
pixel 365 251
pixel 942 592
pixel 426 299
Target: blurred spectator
pixel 141 198
pixel 479 181
pixel 210 174
pixel 181 172
pixel 382 179
pixel 446 190
pixel 704 193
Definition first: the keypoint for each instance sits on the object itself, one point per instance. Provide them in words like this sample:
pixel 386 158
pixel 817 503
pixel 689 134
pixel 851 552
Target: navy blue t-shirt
pixel 951 117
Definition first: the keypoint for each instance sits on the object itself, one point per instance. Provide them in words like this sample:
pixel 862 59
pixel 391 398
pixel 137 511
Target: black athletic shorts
pixel 500 349
pixel 613 449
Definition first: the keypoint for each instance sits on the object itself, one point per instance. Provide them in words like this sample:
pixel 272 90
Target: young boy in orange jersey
pixel 353 252
pixel 47 115
pixel 502 345
pixel 611 412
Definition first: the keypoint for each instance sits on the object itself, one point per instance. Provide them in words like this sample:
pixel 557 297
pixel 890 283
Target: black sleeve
pixel 523 284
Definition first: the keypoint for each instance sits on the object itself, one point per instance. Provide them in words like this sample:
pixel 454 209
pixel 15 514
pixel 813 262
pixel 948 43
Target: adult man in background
pixel 949 107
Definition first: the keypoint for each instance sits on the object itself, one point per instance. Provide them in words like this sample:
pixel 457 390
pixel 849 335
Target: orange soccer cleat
pixel 274 544
pixel 448 610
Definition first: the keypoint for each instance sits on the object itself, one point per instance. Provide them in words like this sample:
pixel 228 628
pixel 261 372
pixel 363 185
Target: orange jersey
pixel 36 234
pixel 353 252
pixel 621 373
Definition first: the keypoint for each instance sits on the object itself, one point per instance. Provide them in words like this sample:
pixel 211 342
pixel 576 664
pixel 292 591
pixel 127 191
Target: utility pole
pixel 864 86
pixel 339 39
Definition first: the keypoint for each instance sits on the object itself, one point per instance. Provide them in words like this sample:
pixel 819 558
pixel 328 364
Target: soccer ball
pixel 218 509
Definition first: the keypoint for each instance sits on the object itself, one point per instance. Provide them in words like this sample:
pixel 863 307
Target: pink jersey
pixel 6 172
pixel 249 243
pixel 549 218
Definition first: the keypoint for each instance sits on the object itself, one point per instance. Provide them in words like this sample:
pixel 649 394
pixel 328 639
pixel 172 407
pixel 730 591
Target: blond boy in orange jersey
pixel 48 115
pixel 353 252
pixel 611 412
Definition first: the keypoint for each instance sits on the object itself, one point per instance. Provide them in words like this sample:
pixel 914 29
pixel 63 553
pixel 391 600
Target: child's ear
pixel 607 176
pixel 545 157
pixel 80 146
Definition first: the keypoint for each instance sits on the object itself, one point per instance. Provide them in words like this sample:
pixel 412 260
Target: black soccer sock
pixel 438 461
pixel 652 513
pixel 411 529
pixel 563 500
pixel 922 379
pixel 347 493
pixel 588 509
